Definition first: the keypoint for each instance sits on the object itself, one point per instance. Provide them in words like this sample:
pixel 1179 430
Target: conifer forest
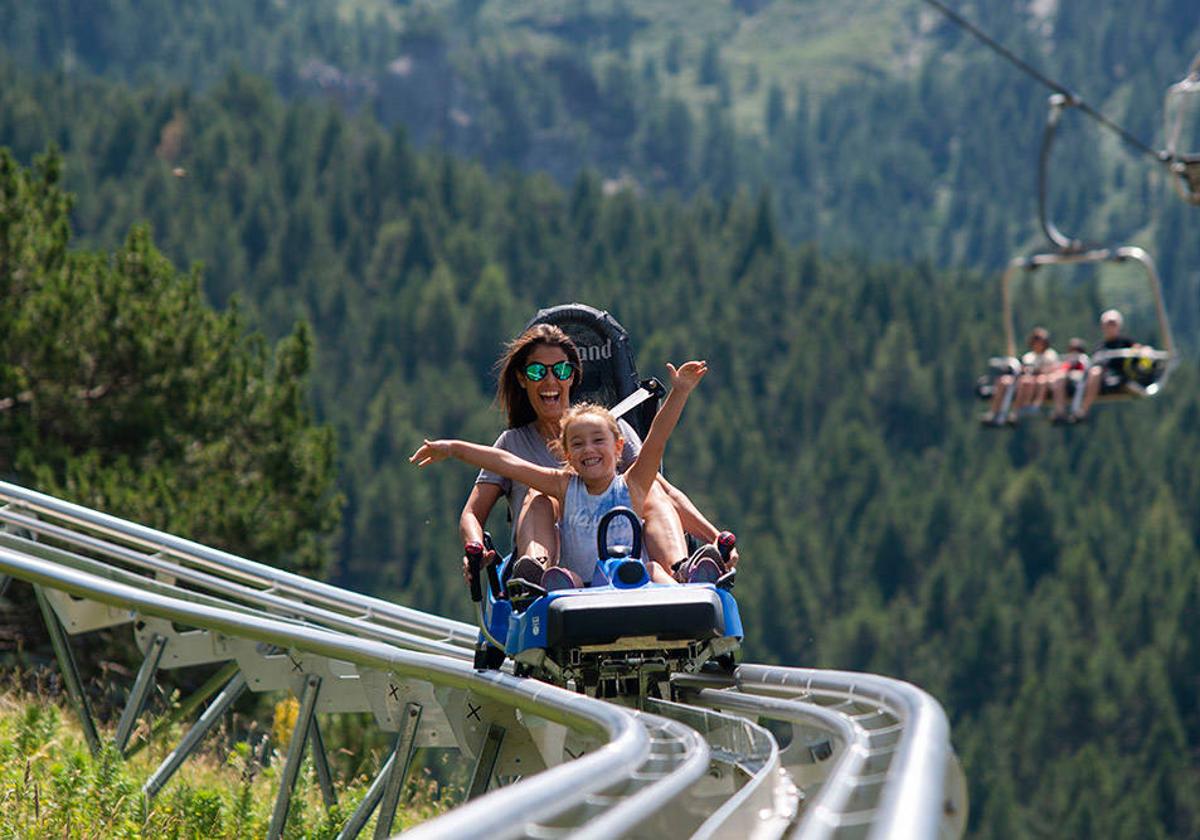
pixel 252 252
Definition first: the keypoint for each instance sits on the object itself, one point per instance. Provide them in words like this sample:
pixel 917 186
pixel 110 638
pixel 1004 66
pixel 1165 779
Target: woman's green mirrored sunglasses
pixel 536 371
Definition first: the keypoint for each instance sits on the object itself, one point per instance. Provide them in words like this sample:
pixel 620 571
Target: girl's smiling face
pixel 592 449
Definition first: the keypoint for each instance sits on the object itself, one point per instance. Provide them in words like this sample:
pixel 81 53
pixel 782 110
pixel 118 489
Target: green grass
pixel 51 786
pixel 811 44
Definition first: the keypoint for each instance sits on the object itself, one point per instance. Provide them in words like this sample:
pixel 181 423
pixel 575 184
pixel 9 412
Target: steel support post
pixel 321 762
pixel 367 805
pixel 195 735
pixel 401 754
pixel 482 777
pixel 295 753
pixel 70 672
pixel 140 691
pixel 189 706
pixel 402 757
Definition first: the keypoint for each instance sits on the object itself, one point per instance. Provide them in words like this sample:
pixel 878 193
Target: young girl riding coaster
pixel 589 486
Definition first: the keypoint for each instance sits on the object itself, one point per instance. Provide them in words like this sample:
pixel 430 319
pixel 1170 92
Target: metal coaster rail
pixel 775 752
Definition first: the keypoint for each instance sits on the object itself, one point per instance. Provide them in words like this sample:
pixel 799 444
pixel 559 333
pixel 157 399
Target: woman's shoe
pixel 527 569
pixel 704 566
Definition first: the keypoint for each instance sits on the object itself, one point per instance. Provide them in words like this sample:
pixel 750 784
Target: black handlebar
pixel 474 553
pixel 602 532
pixel 726 542
pixel 493 574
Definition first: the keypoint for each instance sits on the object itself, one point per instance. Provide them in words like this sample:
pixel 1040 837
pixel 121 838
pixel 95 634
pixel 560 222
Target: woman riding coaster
pixel 536 376
pixel 590 485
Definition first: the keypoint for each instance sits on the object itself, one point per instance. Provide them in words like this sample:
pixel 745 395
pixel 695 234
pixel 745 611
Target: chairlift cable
pixel 1072 98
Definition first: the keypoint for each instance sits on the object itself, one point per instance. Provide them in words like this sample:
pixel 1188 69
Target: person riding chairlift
pixel 1071 379
pixel 1039 368
pixel 1107 376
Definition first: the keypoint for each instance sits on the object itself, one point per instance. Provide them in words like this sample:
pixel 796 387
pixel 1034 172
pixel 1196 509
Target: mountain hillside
pixel 879 127
pixel 412 182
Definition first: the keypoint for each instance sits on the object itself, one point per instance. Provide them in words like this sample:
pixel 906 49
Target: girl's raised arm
pixel 553 482
pixel 645 467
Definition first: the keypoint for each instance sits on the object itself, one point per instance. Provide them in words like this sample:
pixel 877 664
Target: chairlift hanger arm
pixel 1185 167
pixel 1060 242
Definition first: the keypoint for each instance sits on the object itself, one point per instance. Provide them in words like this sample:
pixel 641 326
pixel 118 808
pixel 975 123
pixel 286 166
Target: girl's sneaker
pixel 558 577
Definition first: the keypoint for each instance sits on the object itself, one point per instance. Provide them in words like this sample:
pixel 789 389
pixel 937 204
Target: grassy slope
pixel 52 787
pixel 819 46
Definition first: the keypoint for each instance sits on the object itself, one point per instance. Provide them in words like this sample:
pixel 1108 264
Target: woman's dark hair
pixel 510 394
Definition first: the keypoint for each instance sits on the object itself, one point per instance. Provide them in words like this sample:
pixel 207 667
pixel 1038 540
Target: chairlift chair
pixel 1146 368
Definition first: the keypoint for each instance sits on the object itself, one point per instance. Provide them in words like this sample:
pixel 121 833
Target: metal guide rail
pixel 902 778
pixel 511 726
pixel 16 500
pixel 790 751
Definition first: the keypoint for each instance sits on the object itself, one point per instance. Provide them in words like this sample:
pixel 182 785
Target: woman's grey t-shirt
pixel 525 442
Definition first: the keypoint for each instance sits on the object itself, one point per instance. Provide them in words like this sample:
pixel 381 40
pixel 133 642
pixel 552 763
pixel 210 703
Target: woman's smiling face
pixel 549 396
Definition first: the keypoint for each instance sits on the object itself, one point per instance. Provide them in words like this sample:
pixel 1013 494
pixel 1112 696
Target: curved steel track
pixel 772 752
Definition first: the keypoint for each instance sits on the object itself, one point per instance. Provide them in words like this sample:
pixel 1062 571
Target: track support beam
pixel 402 757
pixel 70 671
pixel 140 691
pixel 396 767
pixel 321 762
pixel 482 777
pixel 295 754
pixel 232 691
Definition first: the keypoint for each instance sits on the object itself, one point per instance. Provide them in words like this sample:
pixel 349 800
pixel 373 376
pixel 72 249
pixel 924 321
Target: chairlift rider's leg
pixel 1007 409
pixel 1078 400
pixel 1095 378
pixel 1041 384
pixel 662 534
pixel 537 531
pixel 1001 399
pixel 1058 395
pixel 1020 395
pixel 1026 390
